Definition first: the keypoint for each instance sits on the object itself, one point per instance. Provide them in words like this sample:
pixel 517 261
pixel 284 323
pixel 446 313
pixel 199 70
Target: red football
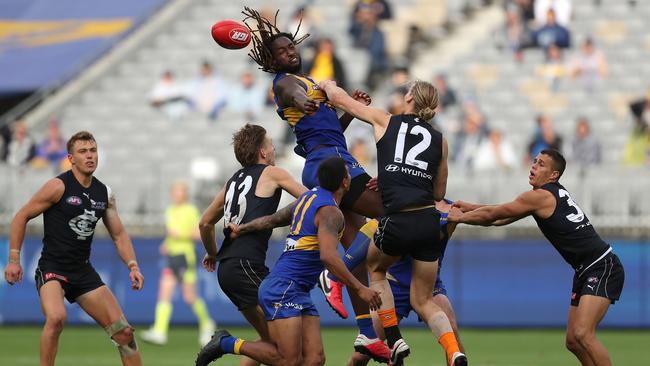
pixel 231 34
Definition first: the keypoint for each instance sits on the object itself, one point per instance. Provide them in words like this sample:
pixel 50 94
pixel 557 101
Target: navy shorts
pixel 74 282
pixel 282 298
pixel 604 278
pixel 313 160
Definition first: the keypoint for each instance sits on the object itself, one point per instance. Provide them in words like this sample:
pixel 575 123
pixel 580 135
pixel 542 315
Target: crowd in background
pixel 531 26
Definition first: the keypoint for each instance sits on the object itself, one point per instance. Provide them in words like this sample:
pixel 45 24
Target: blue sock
pixel 364 322
pixel 228 344
pixel 356 253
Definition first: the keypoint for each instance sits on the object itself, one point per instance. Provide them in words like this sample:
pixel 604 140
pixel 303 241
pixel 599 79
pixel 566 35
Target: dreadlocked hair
pixel 263 35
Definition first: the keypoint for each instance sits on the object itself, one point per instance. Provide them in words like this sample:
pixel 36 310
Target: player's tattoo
pixel 331 220
pixel 268 222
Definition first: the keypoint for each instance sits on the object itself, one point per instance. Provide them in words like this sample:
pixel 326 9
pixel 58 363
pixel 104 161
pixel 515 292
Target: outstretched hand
pixel 371 297
pixel 462 205
pixel 454 214
pixel 373 184
pixel 361 97
pixel 232 231
pixel 310 106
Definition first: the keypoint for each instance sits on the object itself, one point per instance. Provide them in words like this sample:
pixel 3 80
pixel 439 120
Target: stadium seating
pixel 142 152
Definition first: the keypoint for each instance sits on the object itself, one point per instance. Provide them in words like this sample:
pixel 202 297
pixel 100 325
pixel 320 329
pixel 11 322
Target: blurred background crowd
pixel 514 77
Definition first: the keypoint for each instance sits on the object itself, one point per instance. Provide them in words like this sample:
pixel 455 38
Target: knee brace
pixel 118 326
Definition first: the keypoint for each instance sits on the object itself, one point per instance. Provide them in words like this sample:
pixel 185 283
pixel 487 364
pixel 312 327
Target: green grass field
pixel 89 346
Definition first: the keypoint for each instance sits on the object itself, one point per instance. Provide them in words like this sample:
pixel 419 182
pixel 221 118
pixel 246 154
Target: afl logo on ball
pixel 392 168
pixel 239 36
pixel 74 200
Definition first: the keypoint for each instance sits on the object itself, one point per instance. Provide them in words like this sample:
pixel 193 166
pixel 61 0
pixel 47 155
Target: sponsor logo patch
pixel 392 168
pixel 592 279
pixel 73 200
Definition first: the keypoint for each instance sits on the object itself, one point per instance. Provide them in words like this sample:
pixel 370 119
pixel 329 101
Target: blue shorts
pixel 403 299
pixel 282 298
pixel 313 160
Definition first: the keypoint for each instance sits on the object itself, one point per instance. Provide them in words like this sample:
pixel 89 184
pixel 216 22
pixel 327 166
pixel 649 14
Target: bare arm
pixel 440 185
pixel 210 217
pixel 286 181
pixel 291 93
pixel 346 118
pixel 268 222
pixel 122 242
pixel 526 204
pixel 48 195
pixel 376 117
pixel 329 221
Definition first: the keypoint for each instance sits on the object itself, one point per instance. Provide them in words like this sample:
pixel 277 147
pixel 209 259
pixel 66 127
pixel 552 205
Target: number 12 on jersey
pixel 416 150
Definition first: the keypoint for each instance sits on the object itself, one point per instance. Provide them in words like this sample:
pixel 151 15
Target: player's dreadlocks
pixel 264 34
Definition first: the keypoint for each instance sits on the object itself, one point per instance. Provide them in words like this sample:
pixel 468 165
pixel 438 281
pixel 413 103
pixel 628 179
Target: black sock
pixel 392 335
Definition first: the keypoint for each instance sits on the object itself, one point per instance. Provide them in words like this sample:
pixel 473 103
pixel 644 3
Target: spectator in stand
pixel 325 65
pixel 641 113
pixel 248 97
pixel 22 148
pixel 585 147
pixel 552 33
pixel 169 96
pixel 301 17
pixel 446 95
pixel 526 9
pixel 359 150
pixel 5 138
pixel 589 65
pixel 561 10
pixel 545 138
pixel 495 154
pixel 381 7
pixel 367 35
pixel 637 148
pixel 554 68
pixel 208 92
pixel 52 151
pixel 469 138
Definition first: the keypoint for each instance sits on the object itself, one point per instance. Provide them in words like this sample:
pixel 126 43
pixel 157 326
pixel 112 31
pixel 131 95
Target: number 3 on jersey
pixel 579 215
pixel 415 150
pixel 240 192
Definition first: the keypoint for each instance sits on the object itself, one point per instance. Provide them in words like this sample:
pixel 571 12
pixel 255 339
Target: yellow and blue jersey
pixel 401 271
pixel 300 260
pixel 320 128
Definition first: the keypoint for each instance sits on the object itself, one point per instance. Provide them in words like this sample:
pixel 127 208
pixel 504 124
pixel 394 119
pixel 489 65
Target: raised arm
pixel 378 118
pixel 48 195
pixel 440 185
pixel 526 204
pixel 292 92
pixel 346 118
pixel 286 181
pixel 122 242
pixel 329 221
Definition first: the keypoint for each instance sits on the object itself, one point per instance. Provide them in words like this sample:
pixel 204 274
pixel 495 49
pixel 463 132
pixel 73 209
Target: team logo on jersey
pixel 392 168
pixel 84 224
pixel 74 200
pixel 592 279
